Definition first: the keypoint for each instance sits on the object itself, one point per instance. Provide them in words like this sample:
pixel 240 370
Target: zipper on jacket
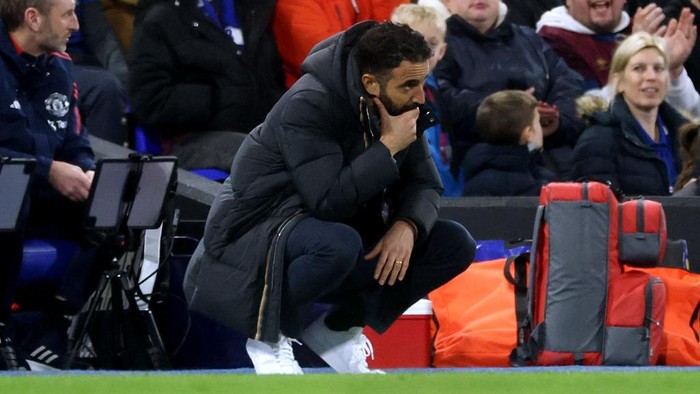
pixel 280 231
pixel 269 283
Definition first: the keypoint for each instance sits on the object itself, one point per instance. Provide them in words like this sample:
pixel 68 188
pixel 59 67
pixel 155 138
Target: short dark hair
pixel 502 116
pixel 384 46
pixel 12 11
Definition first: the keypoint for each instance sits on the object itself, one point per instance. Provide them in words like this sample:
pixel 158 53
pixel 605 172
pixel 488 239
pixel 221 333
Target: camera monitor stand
pixel 127 196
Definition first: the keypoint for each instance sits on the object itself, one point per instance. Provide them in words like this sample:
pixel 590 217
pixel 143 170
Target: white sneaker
pixel 344 351
pixel 273 358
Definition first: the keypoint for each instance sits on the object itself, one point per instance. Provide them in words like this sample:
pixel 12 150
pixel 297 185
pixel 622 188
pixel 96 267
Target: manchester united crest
pixel 57 104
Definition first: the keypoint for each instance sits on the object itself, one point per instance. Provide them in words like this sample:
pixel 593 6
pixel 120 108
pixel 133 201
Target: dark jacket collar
pixel 628 123
pixel 333 63
pixel 22 62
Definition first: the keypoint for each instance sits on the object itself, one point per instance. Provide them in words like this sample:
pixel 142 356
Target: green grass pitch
pixel 660 382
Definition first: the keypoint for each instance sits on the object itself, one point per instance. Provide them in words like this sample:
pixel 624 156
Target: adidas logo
pixel 41 359
pixel 16 105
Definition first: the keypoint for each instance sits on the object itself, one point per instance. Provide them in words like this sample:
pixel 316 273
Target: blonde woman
pixel 633 143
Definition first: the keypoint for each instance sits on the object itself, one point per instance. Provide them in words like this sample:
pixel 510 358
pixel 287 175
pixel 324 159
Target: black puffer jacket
pixel 612 149
pixel 503 170
pixel 186 74
pixel 308 157
pixel 507 57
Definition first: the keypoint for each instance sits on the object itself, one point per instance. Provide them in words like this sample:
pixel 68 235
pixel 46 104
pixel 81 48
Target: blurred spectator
pixel 485 55
pixel 633 143
pixel 586 37
pixel 431 24
pixel 101 73
pixel 199 71
pixel 301 24
pixel 438 5
pixel 120 14
pixel 507 162
pixel 527 13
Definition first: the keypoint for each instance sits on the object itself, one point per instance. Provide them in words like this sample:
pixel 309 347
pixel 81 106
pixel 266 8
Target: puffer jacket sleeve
pixel 309 141
pixel 595 156
pixel 416 195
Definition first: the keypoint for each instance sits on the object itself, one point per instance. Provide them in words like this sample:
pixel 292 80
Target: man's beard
pixel 392 108
pixel 605 27
pixel 51 42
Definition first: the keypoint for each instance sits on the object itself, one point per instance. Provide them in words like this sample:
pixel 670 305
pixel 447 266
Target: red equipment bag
pixel 581 309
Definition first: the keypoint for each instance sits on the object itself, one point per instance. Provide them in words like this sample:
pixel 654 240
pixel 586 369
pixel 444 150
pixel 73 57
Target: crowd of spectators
pixel 193 72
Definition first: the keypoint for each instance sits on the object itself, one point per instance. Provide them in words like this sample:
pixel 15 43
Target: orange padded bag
pixel 681 340
pixel 474 321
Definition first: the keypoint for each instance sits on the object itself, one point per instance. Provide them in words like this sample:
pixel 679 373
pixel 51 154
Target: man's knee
pixel 457 244
pixel 342 248
pixel 335 248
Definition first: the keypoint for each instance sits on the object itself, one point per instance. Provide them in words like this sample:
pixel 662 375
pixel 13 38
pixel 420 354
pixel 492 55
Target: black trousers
pixel 324 263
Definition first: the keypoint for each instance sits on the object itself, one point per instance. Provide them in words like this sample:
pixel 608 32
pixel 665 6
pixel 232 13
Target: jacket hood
pixel 591 103
pixel 560 18
pixel 609 114
pixel 332 62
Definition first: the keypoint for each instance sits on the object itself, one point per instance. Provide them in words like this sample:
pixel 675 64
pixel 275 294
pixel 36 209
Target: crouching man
pixel 333 198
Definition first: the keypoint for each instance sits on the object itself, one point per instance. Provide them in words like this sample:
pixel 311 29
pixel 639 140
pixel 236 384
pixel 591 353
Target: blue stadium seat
pixel 45 261
pixel 214 174
pixel 496 249
pixel 147 141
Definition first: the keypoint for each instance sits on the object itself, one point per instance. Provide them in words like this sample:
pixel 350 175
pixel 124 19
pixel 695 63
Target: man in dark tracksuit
pixel 333 198
pixel 38 121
